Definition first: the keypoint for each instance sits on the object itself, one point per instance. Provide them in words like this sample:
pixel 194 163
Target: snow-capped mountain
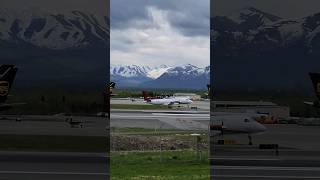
pixel 162 76
pixel 53 30
pixel 64 48
pixel 254 30
pixel 252 18
pixel 129 70
pixel 186 76
pixel 185 70
pixel 271 51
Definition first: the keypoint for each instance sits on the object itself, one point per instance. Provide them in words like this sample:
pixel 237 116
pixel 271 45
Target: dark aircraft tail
pixel 145 95
pixel 315 78
pixel 112 85
pixel 7 75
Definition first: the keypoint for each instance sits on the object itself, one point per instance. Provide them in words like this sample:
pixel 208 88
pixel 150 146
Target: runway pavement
pixel 97 126
pixel 298 155
pixel 182 120
pixel 253 166
pixel 52 125
pixel 52 166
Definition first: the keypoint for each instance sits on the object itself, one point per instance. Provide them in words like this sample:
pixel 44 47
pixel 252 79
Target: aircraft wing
pixel 308 103
pixel 169 104
pixel 11 104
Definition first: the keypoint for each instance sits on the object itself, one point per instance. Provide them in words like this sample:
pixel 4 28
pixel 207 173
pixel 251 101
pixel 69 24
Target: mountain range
pixel 75 29
pixel 55 48
pixel 185 76
pixel 252 50
pixel 71 48
pixel 257 50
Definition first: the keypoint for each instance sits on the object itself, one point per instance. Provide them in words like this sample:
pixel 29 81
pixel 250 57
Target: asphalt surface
pixel 298 156
pixel 252 166
pixel 52 165
pixel 180 120
pixel 53 125
pixel 96 126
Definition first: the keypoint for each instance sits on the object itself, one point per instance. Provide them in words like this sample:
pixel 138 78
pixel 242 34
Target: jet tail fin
pixel 112 85
pixel 7 76
pixel 145 95
pixel 315 78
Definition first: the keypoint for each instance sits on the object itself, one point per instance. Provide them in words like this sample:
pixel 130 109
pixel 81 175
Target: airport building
pixel 194 97
pixel 260 107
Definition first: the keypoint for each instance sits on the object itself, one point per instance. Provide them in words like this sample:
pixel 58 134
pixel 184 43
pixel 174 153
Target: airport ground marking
pixel 257 176
pixel 266 168
pixel 53 173
pixel 246 159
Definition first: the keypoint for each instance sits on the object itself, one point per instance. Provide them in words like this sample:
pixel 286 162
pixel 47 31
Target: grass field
pixel 170 165
pixel 148 131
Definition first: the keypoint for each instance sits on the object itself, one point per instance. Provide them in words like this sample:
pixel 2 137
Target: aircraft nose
pixel 261 127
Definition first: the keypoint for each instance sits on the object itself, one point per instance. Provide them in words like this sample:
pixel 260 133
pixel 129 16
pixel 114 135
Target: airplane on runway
pixel 315 78
pixel 235 124
pixel 166 101
pixel 7 76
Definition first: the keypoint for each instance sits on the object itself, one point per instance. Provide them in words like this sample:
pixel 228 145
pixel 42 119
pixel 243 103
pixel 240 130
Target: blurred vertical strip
pixel 211 140
pixel 108 82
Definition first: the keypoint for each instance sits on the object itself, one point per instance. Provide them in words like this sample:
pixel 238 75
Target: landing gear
pixel 250 139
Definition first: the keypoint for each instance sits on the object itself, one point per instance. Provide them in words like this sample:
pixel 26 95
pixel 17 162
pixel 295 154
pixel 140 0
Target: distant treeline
pixel 51 101
pixel 137 93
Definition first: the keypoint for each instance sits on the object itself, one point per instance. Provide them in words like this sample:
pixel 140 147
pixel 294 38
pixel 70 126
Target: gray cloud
pixel 189 17
pixel 149 32
pixel 124 13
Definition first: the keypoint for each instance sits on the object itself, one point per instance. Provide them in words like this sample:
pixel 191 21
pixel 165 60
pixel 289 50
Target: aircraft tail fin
pixel 315 78
pixel 7 76
pixel 145 95
pixel 112 85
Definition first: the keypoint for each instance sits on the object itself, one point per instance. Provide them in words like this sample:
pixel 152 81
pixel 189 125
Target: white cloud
pixel 158 43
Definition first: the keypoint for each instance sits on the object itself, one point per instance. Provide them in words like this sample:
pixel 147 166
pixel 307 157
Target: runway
pixel 298 155
pixel 97 126
pixel 53 165
pixel 53 125
pixel 180 120
pixel 265 167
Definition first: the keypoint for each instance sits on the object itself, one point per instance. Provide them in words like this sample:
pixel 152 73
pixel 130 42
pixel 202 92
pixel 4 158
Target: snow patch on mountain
pixel 129 70
pixel 157 71
pixel 186 70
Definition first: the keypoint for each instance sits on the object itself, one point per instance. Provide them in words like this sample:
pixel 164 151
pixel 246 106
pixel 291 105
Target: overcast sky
pixel 171 32
pixel 282 8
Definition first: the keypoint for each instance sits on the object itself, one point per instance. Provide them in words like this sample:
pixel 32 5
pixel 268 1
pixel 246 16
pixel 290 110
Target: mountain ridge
pixel 254 54
pixel 180 76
